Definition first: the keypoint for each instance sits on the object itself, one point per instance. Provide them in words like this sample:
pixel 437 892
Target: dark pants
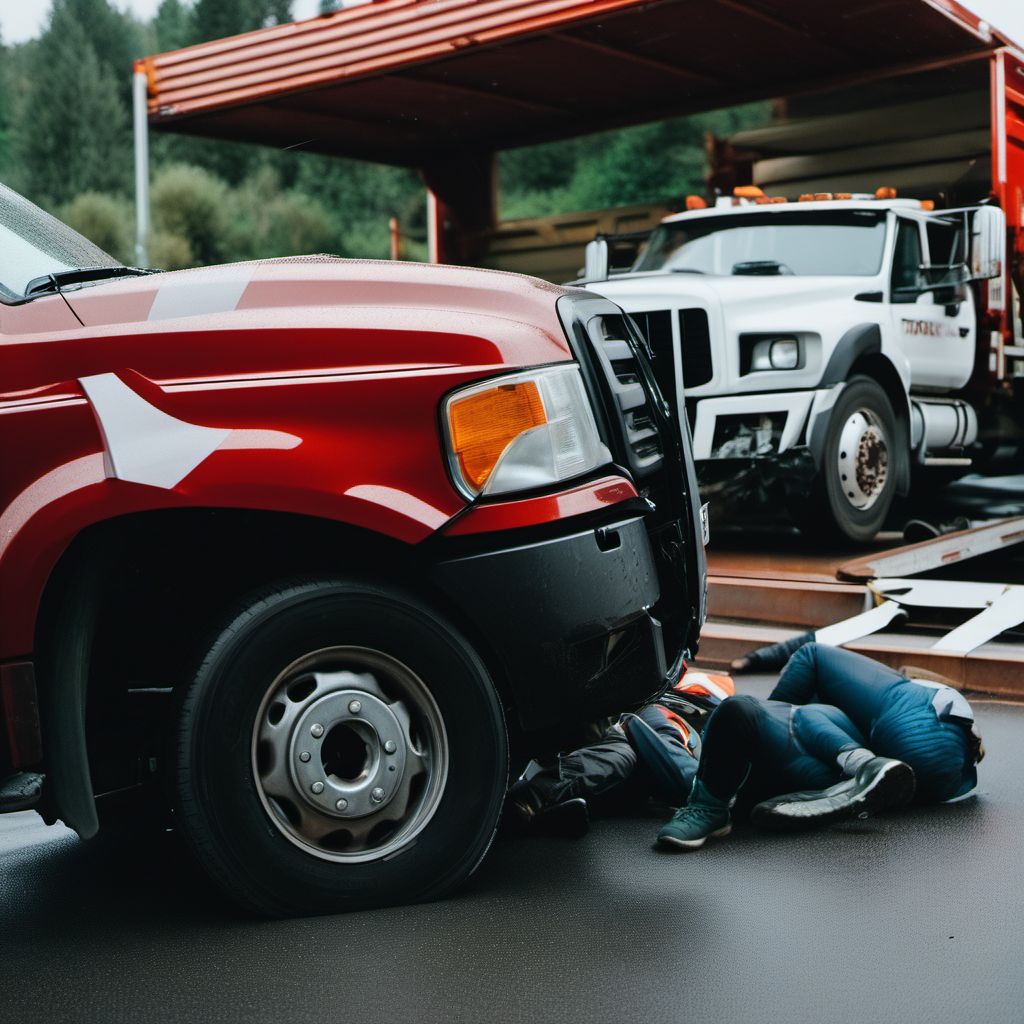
pixel 893 713
pixel 606 773
pixel 766 748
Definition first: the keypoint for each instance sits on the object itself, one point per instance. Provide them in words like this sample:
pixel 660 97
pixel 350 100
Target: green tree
pixel 362 197
pixel 657 162
pixel 172 26
pixel 70 131
pixel 266 220
pixel 214 19
pixel 116 38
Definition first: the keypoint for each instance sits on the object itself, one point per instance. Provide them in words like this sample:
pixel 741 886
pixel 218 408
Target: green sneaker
pixel 703 817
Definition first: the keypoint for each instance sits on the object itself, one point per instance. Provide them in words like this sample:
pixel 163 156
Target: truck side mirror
pixel 595 260
pixel 988 243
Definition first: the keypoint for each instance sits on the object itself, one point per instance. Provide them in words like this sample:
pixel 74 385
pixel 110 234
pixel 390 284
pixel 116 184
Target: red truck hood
pixel 309 314
pixel 310 282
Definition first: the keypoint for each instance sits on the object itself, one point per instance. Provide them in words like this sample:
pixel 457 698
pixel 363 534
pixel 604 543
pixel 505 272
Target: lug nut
pixel 390 747
pixel 376 794
pixel 316 731
pixel 317 787
pixel 342 804
pixel 304 756
pixel 355 707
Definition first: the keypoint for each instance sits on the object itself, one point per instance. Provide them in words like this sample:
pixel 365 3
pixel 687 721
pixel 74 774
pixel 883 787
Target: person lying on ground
pixel 877 740
pixel 648 755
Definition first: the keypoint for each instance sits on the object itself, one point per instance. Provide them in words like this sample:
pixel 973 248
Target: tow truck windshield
pixel 34 246
pixel 806 243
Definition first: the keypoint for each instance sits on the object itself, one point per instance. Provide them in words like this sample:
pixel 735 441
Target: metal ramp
pixel 760 597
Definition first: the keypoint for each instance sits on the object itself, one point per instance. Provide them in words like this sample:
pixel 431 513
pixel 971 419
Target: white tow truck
pixel 842 347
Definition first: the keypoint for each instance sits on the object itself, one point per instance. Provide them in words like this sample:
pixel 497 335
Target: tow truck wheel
pixel 341 746
pixel 857 479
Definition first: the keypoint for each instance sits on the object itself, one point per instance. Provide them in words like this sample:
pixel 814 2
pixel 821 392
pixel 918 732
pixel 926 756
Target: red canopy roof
pixel 412 81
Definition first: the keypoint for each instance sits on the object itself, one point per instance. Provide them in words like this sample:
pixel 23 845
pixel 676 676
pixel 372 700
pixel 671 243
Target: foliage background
pixel 65 142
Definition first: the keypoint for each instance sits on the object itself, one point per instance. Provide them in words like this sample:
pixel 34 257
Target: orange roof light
pixel 822 197
pixel 928 204
pixel 843 195
pixel 779 199
pixel 696 203
pixel 885 192
pixel 485 423
pixel 748 192
pixel 807 197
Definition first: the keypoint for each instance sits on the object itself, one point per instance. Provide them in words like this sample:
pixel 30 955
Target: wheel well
pixel 159 584
pixel 881 370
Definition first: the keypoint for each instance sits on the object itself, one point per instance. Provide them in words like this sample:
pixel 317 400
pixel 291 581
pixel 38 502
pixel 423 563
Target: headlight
pixel 764 352
pixel 523 431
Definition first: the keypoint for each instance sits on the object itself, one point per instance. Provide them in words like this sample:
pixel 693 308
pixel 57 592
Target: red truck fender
pixel 134 455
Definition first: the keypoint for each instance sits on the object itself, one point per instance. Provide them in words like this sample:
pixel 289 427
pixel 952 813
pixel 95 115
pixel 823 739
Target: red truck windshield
pixel 807 243
pixel 33 244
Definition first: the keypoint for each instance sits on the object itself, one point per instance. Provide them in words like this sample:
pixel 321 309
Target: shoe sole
pixel 693 844
pixel 892 787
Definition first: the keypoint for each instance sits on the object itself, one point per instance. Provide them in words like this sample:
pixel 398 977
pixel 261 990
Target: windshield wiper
pixel 686 270
pixel 55 281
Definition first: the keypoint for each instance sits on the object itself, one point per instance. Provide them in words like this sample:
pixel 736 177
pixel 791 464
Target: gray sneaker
pixel 879 784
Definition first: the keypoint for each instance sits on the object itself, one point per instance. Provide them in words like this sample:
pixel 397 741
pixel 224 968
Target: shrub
pixel 168 251
pixel 190 203
pixel 105 220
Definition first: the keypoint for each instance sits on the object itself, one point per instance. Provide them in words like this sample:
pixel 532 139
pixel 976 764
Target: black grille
pixel 695 337
pixel 696 344
pixel 640 433
pixel 657 329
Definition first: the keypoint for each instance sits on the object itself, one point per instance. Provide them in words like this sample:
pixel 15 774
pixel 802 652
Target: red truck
pixel 299 542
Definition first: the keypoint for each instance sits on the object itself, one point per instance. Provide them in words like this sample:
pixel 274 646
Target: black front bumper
pixel 569 619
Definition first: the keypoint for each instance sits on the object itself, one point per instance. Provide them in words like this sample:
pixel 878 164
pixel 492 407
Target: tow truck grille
pixel 642 440
pixel 696 343
pixel 695 337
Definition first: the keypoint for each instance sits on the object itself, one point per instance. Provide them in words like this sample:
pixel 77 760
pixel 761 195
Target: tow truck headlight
pixel 765 352
pixel 523 431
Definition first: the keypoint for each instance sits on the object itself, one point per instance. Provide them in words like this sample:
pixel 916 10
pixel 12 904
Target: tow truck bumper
pixel 763 425
pixel 569 618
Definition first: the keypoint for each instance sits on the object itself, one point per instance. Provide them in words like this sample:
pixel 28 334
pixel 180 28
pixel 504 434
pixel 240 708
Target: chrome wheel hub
pixel 342 768
pixel 350 754
pixel 863 459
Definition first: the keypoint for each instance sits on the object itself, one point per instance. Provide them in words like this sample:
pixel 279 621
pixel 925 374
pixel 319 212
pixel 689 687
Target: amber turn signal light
pixel 484 424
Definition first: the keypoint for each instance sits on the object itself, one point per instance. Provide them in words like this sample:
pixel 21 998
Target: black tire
pixel 219 796
pixel 829 513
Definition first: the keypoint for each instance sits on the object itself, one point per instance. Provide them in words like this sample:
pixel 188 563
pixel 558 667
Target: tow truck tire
pixel 857 479
pixel 341 746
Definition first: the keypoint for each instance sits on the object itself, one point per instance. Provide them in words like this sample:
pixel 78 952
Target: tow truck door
pixel 938 338
pixel 1008 187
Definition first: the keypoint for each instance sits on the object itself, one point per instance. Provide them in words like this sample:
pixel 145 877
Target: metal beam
pixel 773 21
pixel 492 96
pixel 635 58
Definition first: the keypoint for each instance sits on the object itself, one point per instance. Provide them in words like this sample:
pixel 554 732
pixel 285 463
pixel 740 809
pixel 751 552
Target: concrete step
pixel 994 668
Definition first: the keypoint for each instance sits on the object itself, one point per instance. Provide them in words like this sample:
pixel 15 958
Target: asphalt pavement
pixel 910 917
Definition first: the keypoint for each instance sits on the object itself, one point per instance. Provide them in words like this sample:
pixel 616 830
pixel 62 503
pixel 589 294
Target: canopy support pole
pixel 140 127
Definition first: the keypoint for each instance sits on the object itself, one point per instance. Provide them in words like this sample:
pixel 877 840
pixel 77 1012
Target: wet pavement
pixel 910 917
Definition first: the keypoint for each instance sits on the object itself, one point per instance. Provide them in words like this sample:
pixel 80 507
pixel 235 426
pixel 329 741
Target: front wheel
pixel 856 483
pixel 341 746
